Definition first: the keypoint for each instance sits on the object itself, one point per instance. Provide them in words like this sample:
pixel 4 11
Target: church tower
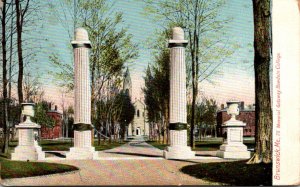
pixel 127 86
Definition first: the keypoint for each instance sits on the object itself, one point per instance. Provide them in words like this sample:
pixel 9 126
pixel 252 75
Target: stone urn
pixel 233 146
pixel 27 148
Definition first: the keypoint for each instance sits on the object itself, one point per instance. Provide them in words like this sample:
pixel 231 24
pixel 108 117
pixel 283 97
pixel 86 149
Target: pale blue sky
pixel 237 79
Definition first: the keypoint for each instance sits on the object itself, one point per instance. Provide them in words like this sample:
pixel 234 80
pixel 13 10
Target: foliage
pixel 41 116
pixel 156 91
pixel 65 75
pixel 123 101
pixel 204 30
pixel 111 45
pixel 32 89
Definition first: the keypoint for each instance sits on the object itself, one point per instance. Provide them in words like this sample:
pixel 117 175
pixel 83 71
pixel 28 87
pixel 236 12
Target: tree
pixel 4 11
pixel 150 102
pixel 127 111
pixel 262 60
pixel 205 116
pixel 32 89
pixel 207 49
pixel 21 12
pixel 157 92
pixel 112 47
pixel 41 117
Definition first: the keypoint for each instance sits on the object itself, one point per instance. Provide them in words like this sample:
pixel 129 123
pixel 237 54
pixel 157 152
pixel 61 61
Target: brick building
pixel 246 115
pixel 56 130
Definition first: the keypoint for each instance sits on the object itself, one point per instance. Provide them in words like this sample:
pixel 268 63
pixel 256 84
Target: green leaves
pixel 41 116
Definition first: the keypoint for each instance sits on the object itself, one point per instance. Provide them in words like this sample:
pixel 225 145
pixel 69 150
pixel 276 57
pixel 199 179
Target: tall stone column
pixel 83 148
pixel 178 115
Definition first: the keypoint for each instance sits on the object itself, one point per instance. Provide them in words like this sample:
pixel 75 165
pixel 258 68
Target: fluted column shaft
pixel 177 86
pixel 178 148
pixel 82 107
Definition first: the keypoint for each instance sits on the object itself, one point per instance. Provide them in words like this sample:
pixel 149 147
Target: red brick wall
pixel 56 131
pixel 247 117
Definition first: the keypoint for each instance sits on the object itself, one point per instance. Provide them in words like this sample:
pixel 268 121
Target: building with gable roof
pixel 139 126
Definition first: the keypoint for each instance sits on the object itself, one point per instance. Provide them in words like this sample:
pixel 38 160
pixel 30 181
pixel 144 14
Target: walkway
pixel 135 163
pixel 135 149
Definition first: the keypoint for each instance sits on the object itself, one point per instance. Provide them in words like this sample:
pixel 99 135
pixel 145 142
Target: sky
pixel 236 80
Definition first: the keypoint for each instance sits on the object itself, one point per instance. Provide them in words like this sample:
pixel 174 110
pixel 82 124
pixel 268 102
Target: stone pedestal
pixel 233 146
pixel 178 148
pixel 83 148
pixel 27 148
pixel 41 154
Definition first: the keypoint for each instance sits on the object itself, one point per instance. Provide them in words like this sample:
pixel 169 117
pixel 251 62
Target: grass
pixel 207 145
pixel 17 169
pixel 236 173
pixel 55 145
pixel 106 145
pixel 61 145
pixel 157 144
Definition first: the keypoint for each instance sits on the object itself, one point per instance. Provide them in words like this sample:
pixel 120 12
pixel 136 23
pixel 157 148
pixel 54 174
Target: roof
pixel 54 111
pixel 138 100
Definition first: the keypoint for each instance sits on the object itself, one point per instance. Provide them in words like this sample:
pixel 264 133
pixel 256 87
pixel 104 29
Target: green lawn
pixel 207 145
pixel 106 145
pixel 16 169
pixel 236 173
pixel 60 145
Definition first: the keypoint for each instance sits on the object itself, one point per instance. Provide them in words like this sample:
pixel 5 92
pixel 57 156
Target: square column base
pixel 179 152
pixel 25 153
pixel 238 151
pixel 83 148
pixel 82 153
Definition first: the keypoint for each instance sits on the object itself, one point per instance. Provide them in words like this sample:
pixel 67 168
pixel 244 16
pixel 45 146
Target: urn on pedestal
pixel 27 148
pixel 233 146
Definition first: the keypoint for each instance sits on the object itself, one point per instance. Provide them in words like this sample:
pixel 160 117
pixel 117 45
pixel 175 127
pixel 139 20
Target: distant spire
pixel 127 87
pixel 126 74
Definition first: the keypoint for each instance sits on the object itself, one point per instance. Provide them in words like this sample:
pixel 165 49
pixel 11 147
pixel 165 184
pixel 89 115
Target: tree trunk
pixel 99 135
pixel 159 133
pixel 19 22
pixel 4 76
pixel 263 111
pixel 10 71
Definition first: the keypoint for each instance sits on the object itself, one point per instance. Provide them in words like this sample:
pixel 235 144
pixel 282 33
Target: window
pixel 138 113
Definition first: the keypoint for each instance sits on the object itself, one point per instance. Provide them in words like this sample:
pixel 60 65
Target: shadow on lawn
pixel 56 154
pixel 134 154
pixel 233 173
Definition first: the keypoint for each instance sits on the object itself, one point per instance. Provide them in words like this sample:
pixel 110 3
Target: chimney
pixel 222 106
pixel 49 106
pixel 242 105
pixel 55 107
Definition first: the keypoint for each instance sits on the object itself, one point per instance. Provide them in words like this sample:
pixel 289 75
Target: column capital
pixel 177 43
pixel 178 126
pixel 78 44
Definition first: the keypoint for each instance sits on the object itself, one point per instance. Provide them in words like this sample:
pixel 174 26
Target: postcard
pixel 144 92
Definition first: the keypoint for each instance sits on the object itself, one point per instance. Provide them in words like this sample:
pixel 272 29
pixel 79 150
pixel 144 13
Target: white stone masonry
pixel 178 148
